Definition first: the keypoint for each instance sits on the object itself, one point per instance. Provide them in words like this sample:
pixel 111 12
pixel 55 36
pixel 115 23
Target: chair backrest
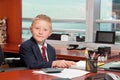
pixel 1 56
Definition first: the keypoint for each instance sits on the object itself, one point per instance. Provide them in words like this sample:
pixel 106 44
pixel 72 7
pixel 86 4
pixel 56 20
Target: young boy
pixel 31 52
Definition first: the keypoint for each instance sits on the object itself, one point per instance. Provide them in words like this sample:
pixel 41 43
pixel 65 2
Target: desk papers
pixel 79 65
pixel 66 73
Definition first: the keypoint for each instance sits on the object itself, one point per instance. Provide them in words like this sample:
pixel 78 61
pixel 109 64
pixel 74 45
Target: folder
pixel 112 66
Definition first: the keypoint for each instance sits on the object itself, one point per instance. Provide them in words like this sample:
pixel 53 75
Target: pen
pixel 96 57
pixel 93 56
pixel 86 54
pixel 89 56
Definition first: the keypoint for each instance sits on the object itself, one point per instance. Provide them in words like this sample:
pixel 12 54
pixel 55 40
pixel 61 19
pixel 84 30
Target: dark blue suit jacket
pixel 31 55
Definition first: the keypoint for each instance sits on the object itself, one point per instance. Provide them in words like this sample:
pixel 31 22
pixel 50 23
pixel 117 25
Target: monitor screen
pixel 105 37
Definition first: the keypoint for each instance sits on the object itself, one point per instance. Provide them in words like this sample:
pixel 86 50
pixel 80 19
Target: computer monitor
pixel 105 37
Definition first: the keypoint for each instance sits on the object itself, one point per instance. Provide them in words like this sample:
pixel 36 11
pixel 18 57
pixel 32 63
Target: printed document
pixel 79 65
pixel 66 73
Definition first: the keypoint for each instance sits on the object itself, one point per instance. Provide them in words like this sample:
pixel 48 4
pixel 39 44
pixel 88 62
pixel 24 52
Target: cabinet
pixel 12 10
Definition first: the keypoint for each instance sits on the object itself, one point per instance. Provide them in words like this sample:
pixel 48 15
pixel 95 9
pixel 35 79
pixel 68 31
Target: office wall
pixel 11 9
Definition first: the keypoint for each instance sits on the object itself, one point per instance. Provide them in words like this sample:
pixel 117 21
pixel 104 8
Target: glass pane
pixel 110 9
pixel 67 12
pixel 26 34
pixel 116 9
pixel 106 9
pixel 107 27
pixel 59 9
pixel 78 29
pixel 68 26
pixel 25 31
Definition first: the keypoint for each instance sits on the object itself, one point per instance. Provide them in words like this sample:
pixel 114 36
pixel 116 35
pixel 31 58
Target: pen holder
pixel 91 65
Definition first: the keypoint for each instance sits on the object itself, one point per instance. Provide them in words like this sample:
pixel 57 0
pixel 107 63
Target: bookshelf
pixel 11 9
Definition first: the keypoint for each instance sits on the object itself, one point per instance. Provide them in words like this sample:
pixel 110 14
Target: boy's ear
pixel 50 34
pixel 30 29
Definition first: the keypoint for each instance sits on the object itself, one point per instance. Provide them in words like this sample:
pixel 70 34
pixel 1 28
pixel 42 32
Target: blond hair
pixel 42 17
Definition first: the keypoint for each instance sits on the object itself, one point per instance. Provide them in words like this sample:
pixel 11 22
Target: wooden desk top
pixel 62 53
pixel 75 55
pixel 28 75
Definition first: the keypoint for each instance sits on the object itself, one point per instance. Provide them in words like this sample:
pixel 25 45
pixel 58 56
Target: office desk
pixel 76 55
pixel 63 53
pixel 28 75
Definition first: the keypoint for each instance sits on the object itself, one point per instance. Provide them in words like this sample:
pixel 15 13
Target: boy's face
pixel 41 30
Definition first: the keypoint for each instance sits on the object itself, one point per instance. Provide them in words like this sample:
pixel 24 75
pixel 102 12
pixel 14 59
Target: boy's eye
pixel 45 29
pixel 36 28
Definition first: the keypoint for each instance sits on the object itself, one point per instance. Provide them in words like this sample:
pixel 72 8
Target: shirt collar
pixel 45 44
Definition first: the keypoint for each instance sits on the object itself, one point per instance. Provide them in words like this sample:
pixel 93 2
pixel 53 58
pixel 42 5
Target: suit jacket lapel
pixel 49 53
pixel 37 51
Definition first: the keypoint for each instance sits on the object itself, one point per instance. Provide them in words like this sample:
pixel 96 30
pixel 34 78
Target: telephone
pixel 104 76
pixel 72 46
pixel 76 47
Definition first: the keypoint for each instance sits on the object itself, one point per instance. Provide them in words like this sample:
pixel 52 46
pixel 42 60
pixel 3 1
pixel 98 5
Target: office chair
pixel 3 61
pixel 1 57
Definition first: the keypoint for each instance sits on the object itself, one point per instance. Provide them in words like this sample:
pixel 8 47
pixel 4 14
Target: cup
pixel 91 65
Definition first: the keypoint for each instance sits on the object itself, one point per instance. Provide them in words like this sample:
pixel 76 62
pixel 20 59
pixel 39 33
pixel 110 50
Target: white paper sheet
pixel 79 65
pixel 66 73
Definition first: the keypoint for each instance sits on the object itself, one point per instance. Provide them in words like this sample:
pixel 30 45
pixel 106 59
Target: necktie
pixel 43 53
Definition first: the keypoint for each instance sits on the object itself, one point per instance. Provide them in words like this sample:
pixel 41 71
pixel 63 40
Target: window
pixel 68 16
pixel 80 17
pixel 109 17
pixel 109 11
